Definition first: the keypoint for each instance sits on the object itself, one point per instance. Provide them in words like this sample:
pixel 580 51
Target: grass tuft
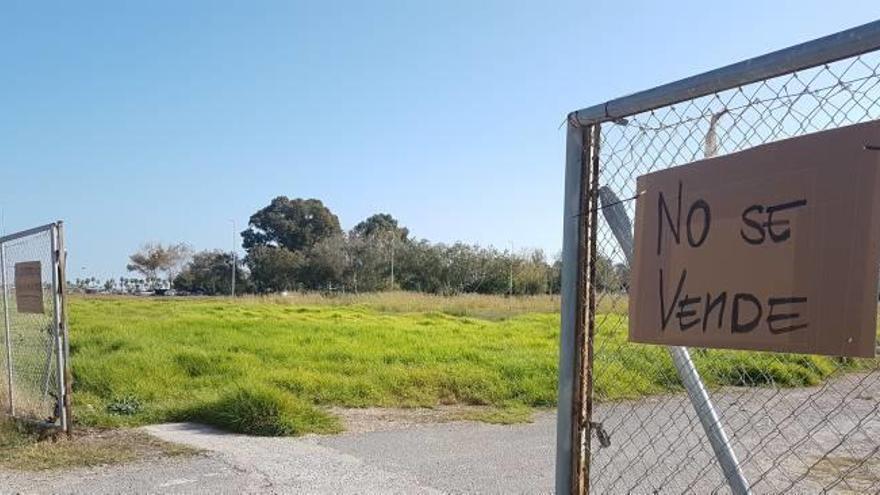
pixel 265 411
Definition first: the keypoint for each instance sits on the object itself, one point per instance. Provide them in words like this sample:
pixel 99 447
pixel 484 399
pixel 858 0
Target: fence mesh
pixel 798 423
pixel 27 330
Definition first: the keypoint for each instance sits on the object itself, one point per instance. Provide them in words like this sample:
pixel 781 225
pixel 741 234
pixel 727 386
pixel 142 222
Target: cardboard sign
pixel 29 287
pixel 775 248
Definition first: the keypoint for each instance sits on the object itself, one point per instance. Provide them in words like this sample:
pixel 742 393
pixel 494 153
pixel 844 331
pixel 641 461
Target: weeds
pixel 274 368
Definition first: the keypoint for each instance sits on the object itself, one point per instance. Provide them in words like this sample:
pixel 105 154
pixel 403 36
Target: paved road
pixel 431 458
pixel 795 440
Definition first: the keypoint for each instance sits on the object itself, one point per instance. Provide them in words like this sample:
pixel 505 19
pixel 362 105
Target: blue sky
pixel 163 120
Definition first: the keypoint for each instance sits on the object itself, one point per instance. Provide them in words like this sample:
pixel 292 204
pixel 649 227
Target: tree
pixel 210 273
pixel 555 274
pixel 274 269
pixel 606 275
pixel 380 225
pixel 283 238
pixel 367 265
pixel 621 271
pixel 326 264
pixel 293 224
pixel 423 267
pixel 153 259
pixel 383 230
pixel 531 274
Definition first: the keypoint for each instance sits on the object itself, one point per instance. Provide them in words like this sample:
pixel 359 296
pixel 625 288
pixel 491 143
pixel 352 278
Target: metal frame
pixel 60 334
pixel 569 434
pixel 845 44
pixel 579 228
pixel 25 233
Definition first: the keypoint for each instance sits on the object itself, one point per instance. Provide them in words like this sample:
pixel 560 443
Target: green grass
pixel 264 411
pixel 138 361
pixel 272 367
pixel 506 415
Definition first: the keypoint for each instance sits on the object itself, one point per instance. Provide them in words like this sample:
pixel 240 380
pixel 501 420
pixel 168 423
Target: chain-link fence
pixel 796 423
pixel 34 339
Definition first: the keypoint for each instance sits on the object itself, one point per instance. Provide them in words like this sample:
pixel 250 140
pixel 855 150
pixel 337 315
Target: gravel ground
pixel 656 446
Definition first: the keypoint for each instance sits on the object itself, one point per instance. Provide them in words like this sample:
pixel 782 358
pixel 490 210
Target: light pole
pixel 392 259
pixel 510 285
pixel 234 257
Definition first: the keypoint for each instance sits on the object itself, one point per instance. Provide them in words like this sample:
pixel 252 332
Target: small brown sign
pixel 29 287
pixel 775 248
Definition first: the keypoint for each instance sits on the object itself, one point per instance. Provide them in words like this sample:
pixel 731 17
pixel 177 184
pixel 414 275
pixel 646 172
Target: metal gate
pixel 744 421
pixel 34 326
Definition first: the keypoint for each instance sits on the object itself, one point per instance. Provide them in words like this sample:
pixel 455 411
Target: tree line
pixel 299 245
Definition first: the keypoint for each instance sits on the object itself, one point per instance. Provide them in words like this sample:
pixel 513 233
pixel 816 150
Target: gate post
pixel 8 340
pixel 574 405
pixel 57 246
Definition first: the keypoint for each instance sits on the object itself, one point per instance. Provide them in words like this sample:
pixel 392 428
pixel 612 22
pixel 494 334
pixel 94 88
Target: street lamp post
pixel 234 258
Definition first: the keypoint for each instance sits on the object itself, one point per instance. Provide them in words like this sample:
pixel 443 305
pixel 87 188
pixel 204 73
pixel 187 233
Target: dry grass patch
pixel 21 450
pixel 369 419
pixel 485 306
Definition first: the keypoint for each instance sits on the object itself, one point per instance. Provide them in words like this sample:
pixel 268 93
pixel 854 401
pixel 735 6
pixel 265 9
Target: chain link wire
pixel 798 423
pixel 31 345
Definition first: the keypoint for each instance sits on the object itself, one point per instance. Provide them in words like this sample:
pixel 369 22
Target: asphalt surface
pixel 789 441
pixel 434 458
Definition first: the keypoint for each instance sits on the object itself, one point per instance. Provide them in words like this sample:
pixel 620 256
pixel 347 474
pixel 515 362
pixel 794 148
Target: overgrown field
pixel 270 366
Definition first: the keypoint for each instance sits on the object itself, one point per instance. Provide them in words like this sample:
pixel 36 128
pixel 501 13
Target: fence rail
pixel 796 423
pixel 35 343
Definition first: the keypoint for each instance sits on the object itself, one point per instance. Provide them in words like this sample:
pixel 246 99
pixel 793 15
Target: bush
pixel 265 411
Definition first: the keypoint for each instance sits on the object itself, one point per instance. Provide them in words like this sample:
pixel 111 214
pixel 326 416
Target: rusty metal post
pixel 578 299
pixel 65 333
pixel 590 200
pixel 54 236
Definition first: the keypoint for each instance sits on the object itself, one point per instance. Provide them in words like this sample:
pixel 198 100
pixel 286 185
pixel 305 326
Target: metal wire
pixel 29 355
pixel 798 423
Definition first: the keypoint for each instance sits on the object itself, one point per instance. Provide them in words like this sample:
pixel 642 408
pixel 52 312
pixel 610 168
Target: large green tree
pixel 280 241
pixel 293 224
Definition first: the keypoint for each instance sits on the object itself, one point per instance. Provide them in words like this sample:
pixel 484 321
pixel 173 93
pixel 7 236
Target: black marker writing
pixel 759 230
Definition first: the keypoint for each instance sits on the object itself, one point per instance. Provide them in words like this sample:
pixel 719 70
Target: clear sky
pixel 163 120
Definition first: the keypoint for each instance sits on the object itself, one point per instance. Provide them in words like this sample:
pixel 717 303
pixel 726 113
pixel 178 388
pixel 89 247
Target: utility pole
pixel 234 257
pixel 510 285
